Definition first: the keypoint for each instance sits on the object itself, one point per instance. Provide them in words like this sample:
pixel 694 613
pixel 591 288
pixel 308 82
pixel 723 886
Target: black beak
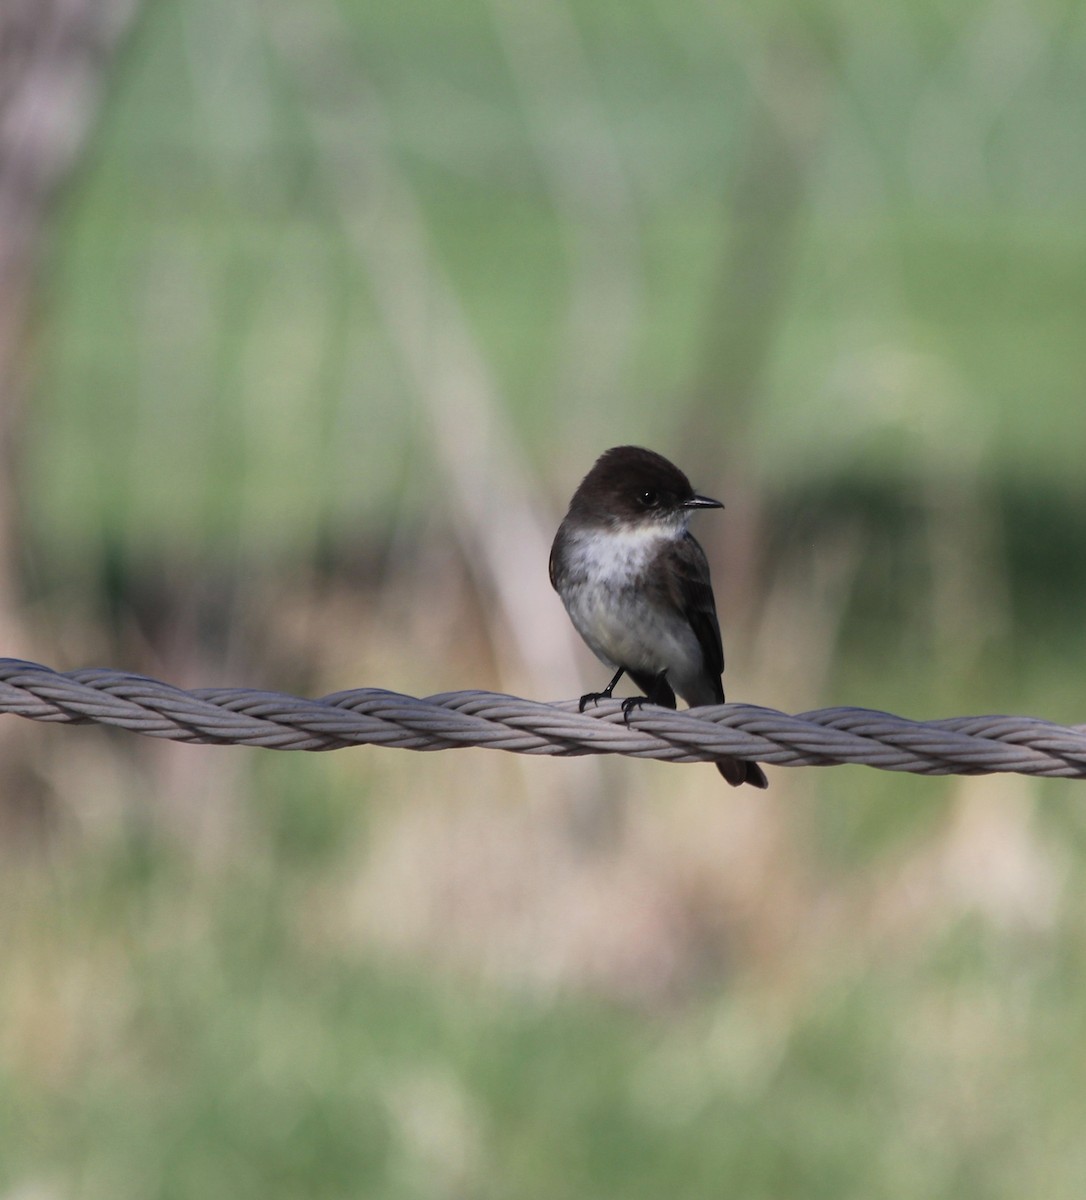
pixel 701 502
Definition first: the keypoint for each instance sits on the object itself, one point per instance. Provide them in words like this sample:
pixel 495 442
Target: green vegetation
pixel 858 986
pixel 203 1038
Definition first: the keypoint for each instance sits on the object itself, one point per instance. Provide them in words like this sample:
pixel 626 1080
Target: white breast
pixel 615 557
pixel 611 612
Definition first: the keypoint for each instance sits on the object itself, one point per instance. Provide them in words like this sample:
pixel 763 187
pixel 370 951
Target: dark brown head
pixel 629 485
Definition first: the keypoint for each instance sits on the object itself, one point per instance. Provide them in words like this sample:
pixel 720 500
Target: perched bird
pixel 636 585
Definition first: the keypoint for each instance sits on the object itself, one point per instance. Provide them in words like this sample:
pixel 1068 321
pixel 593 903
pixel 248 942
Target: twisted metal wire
pixel 373 716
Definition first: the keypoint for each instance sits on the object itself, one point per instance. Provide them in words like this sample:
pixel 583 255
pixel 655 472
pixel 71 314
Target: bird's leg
pixel 657 692
pixel 596 697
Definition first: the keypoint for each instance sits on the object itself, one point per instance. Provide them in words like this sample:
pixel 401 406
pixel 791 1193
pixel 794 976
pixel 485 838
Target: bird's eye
pixel 647 498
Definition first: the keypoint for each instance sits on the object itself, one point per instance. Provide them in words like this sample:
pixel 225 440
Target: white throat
pixel 614 555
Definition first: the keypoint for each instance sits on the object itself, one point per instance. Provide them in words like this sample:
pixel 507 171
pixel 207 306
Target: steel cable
pixel 376 717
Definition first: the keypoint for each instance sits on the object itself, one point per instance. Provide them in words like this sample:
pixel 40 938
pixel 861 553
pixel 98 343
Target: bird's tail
pixel 738 771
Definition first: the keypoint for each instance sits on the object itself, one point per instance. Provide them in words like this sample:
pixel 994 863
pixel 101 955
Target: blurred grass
pixel 171 1030
pixel 388 975
pixel 201 282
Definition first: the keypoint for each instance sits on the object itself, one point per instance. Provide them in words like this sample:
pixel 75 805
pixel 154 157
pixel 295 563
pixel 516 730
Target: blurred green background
pixel 339 303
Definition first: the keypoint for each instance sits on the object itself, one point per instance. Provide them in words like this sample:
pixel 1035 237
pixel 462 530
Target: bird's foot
pixel 658 691
pixel 596 697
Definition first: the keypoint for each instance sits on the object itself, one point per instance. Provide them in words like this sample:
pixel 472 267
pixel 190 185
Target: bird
pixel 635 583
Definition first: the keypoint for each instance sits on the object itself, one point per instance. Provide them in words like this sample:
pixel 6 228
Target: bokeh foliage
pixel 830 255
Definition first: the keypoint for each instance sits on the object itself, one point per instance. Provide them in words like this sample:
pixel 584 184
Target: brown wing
pixel 552 563
pixel 692 594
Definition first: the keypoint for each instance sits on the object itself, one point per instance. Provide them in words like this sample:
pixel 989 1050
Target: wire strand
pixel 376 717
